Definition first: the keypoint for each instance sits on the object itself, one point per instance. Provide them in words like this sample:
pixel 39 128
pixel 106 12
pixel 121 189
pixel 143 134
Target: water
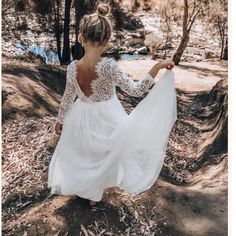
pixel 126 56
pixel 51 55
pixel 48 54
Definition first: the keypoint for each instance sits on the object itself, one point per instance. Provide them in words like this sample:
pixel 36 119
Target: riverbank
pixel 31 34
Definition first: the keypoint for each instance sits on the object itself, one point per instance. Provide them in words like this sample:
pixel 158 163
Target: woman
pixel 100 145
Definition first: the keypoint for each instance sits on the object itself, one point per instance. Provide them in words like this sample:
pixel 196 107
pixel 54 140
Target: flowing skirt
pixel 102 146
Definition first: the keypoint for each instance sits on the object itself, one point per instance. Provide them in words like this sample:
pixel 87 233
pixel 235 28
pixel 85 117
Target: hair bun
pixel 103 9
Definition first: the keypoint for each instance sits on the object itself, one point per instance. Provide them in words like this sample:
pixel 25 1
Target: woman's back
pixel 85 74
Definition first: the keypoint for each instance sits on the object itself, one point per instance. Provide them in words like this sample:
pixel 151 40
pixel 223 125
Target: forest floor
pixel 31 95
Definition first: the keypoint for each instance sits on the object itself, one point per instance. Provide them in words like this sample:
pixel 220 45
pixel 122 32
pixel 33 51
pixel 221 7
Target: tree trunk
pixel 185 37
pixel 188 21
pixel 57 27
pixel 222 47
pixel 66 43
pixel 118 14
pixel 77 49
pixel 225 54
pixel 179 52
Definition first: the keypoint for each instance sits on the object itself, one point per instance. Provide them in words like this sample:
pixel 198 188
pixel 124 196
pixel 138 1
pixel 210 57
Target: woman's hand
pixel 167 63
pixel 58 128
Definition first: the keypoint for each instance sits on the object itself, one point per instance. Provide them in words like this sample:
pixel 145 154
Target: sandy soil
pixel 197 76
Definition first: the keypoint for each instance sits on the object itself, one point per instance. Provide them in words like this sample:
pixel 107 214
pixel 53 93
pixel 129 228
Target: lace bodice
pixel 109 75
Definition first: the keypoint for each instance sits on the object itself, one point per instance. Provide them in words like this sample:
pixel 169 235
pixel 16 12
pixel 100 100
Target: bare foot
pixel 92 203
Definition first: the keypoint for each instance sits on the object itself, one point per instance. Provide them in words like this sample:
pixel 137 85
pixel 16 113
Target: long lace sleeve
pixel 129 86
pixel 68 96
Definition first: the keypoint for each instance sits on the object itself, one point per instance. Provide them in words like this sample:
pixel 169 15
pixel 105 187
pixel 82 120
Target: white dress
pixel 101 145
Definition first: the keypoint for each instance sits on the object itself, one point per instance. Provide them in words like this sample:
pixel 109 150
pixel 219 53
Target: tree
pixel 118 14
pixel 81 8
pixel 66 39
pixel 167 14
pixel 192 9
pixel 57 26
pixel 221 25
pixel 217 16
pixel 225 54
pixel 77 49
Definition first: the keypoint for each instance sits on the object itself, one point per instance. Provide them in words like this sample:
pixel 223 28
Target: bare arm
pixel 168 64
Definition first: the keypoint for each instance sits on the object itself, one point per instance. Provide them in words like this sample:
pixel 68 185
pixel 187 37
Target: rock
pixel 112 51
pixel 133 41
pixel 146 7
pixel 130 50
pixel 139 34
pixel 142 32
pixel 32 230
pixel 167 46
pixel 136 35
pixel 22 25
pixel 208 55
pixel 142 50
pixel 123 48
pixel 153 41
pixel 133 23
pixel 122 52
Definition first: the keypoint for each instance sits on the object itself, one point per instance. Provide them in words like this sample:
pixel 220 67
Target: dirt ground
pixel 197 207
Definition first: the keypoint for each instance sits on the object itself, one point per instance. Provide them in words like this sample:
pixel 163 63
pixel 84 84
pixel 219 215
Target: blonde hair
pixel 96 27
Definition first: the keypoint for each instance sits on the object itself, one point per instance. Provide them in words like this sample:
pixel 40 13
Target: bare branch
pixel 192 21
pixel 192 14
